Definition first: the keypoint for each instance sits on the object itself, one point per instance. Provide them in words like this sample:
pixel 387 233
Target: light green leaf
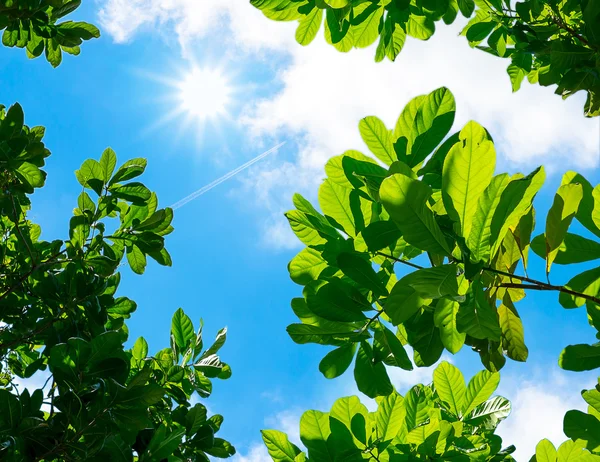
pixel 560 215
pixel 468 170
pixel 279 447
pixel 309 26
pixel 140 349
pixel 545 451
pixel 513 336
pixel 587 204
pixel 136 259
pixel 515 202
pixel 314 432
pixel 478 318
pixel 445 319
pixel 417 403
pixel 367 31
pixel 480 388
pixel 182 329
pixel 378 138
pixel 336 202
pixel 490 413
pixel 420 27
pixel 450 386
pixel 108 162
pixel 405 200
pixel 306 266
pixel 390 416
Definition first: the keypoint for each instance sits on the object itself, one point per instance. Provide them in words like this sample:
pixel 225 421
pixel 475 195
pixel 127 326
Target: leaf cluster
pixel 36 26
pixel 446 420
pixel 551 42
pixel 61 319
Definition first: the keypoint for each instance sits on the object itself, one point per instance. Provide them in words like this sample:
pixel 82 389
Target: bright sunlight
pixel 205 93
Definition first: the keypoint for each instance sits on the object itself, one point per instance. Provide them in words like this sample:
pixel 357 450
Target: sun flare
pixel 205 93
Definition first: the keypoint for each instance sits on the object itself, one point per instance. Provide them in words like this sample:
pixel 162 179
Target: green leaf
pixel 586 206
pixel 490 413
pixel 389 349
pixel 405 200
pixel 466 7
pixel 380 234
pixel 130 169
pixel 417 403
pixel 515 202
pixel 424 122
pixel 182 329
pixel 338 301
pixel 336 203
pixel 194 419
pixel 360 271
pixel 333 334
pixel 53 53
pixel 513 336
pixel 479 31
pixel 580 357
pixel 309 26
pixel 90 176
pixel 478 318
pixel 573 249
pixel 31 175
pixel 279 447
pixel 314 432
pixel 378 138
pixel 390 416
pixel 403 302
pixel 164 442
pixel 371 378
pixel 480 388
pixel 560 216
pixel 545 451
pixel 445 319
pixel 585 427
pixel 450 386
pixel 468 170
pixel 136 259
pixel 133 192
pixel 437 282
pixel 587 283
pixel 108 162
pixel 348 411
pixel 306 266
pixel 337 361
pixel 420 27
pixel 140 349
pixel 367 30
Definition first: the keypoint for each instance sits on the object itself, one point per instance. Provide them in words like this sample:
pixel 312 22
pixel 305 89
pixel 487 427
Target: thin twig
pixel 405 262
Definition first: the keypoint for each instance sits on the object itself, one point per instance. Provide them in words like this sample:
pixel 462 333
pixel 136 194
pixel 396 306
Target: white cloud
pixel 256 453
pixel 233 21
pixel 323 93
pixel 539 403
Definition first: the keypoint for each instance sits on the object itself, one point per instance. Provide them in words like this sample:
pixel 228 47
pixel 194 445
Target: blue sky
pixel 231 246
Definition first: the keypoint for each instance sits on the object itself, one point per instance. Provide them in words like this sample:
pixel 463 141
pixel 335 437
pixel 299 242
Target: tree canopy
pixel 37 26
pixel 62 320
pixel 422 244
pixel 551 42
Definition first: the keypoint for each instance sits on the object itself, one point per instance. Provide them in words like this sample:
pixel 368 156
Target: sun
pixel 205 93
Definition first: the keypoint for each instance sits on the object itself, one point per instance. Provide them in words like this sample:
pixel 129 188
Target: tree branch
pixel 412 265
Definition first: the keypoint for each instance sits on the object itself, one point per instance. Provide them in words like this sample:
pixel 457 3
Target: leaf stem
pixel 405 262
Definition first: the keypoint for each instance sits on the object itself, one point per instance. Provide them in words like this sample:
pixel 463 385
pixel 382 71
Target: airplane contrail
pixel 218 181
